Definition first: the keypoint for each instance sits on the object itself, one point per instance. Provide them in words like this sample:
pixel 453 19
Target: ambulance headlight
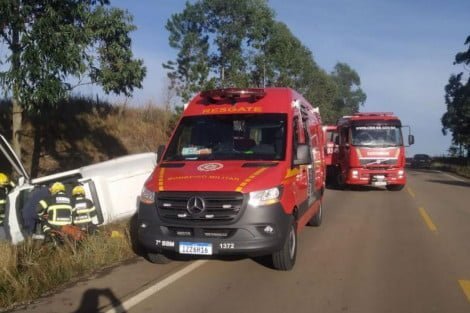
pixel 147 196
pixel 265 197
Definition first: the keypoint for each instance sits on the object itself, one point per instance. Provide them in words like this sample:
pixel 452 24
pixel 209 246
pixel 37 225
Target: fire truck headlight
pixel 401 173
pixel 147 196
pixel 265 197
pixel 355 173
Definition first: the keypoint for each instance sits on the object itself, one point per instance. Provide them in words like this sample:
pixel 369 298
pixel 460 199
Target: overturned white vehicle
pixel 114 186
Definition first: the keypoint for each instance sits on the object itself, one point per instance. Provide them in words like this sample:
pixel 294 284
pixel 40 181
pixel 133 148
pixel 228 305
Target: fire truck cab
pixel 371 151
pixel 242 174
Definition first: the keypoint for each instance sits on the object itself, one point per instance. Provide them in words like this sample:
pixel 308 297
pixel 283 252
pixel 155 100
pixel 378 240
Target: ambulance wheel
pixel 395 187
pixel 317 218
pixel 284 259
pixel 157 258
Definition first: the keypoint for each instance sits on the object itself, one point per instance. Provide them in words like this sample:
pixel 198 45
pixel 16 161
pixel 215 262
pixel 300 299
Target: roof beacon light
pixel 233 93
pixel 374 114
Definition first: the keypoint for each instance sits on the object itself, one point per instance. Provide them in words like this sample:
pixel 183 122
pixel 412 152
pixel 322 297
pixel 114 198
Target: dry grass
pixel 462 170
pixel 85 131
pixel 28 270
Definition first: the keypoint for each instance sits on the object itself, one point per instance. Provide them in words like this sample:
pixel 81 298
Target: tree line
pixel 457 117
pixel 241 44
pixel 51 47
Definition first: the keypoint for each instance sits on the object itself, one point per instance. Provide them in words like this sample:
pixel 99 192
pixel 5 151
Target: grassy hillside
pixel 85 131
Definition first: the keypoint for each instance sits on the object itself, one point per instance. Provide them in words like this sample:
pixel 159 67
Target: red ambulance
pixel 242 174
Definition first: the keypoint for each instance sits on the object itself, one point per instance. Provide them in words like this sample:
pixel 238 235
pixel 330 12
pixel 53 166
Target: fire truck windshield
pixel 376 136
pixel 229 137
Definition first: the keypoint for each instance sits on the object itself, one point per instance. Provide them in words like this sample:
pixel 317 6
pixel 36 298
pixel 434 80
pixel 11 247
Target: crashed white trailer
pixel 113 185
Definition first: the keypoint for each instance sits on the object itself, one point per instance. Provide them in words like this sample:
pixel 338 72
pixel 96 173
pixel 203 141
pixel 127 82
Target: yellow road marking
pixel 427 220
pixel 410 191
pixel 465 284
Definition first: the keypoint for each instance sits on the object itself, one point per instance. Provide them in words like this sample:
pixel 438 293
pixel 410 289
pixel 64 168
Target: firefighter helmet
pixel 78 191
pixel 4 180
pixel 56 188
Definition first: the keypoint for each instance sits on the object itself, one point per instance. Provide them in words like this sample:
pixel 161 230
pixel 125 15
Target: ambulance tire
pixel 284 259
pixel 157 258
pixel 317 218
pixel 395 187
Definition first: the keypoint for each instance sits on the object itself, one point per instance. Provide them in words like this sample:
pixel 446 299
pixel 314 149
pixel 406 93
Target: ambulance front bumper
pixel 258 231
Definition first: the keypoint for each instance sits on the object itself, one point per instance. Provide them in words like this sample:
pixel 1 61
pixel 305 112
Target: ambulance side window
pixel 303 138
pixel 295 140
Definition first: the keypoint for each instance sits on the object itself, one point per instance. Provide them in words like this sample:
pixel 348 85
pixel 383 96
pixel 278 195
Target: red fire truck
pixel 242 174
pixel 371 150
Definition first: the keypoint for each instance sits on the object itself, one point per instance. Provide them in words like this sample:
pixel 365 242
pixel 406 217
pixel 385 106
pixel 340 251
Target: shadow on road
pixel 450 182
pixel 91 304
pixel 355 188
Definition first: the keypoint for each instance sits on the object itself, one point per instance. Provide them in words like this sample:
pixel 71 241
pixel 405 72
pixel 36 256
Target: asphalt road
pixel 376 251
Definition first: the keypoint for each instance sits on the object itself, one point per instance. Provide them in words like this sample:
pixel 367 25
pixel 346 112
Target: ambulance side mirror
pixel 160 150
pixel 303 155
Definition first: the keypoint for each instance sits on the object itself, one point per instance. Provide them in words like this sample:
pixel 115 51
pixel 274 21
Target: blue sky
pixel 403 51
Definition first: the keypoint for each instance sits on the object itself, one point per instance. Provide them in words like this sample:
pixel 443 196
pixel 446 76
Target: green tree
pixel 238 43
pixel 216 39
pixel 349 95
pixel 285 62
pixel 457 98
pixel 51 44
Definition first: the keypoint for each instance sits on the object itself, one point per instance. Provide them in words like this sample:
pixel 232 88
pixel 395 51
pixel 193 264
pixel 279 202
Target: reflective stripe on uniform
pixel 82 220
pixel 85 211
pixel 3 201
pixel 56 210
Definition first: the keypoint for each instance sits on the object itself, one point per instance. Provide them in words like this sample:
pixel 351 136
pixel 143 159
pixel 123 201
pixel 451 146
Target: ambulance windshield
pixel 377 136
pixel 229 137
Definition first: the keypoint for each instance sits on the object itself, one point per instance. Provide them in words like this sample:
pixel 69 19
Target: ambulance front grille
pixel 217 206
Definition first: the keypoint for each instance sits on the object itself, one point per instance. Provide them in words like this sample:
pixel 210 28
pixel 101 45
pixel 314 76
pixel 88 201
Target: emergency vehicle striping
pixel 410 191
pixel 427 220
pixel 250 178
pixel 291 173
pixel 160 179
pixel 465 285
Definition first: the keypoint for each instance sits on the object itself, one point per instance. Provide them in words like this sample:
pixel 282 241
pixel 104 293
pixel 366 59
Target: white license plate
pixel 379 183
pixel 199 248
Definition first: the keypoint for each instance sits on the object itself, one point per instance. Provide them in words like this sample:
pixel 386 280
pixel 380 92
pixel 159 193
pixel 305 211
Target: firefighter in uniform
pixel 5 186
pixel 83 210
pixel 56 210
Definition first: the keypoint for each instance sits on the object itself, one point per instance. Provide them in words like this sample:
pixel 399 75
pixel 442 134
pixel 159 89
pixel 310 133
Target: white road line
pixel 128 304
pixel 452 176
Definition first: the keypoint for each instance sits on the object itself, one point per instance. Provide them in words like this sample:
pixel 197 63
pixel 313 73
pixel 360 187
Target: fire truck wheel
pixel 340 179
pixel 317 218
pixel 284 259
pixel 157 258
pixel 395 187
